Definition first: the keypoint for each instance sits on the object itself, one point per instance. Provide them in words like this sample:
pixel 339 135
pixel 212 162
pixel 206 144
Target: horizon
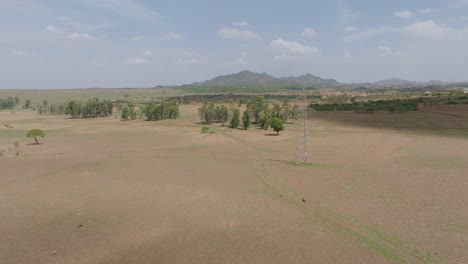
pixel 142 44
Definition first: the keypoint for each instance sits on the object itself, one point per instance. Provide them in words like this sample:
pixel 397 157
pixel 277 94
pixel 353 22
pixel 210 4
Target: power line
pixel 303 141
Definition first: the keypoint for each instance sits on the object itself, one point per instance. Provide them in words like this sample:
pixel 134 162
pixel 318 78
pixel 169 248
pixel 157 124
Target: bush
pixel 205 129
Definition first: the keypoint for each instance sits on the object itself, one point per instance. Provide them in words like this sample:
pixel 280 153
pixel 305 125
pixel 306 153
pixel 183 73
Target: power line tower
pixel 303 140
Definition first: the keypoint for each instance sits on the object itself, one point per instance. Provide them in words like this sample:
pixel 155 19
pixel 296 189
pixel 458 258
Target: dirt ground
pixel 381 188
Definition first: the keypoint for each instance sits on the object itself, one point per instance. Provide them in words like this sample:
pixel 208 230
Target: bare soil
pixel 106 191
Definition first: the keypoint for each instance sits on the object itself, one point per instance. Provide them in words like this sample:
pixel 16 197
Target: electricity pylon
pixel 303 140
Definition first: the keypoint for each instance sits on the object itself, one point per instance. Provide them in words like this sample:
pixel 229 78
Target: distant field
pixel 382 188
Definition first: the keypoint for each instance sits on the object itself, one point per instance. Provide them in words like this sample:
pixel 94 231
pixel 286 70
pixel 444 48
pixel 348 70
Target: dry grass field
pixel 382 188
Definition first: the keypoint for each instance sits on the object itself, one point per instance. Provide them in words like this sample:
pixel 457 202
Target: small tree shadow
pixel 34 144
pixel 271 134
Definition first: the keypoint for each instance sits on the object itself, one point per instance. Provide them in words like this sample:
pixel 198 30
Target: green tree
pixel 27 104
pixel 276 110
pixel 35 133
pixel 125 113
pixel 295 112
pixel 45 102
pixel 223 114
pixel 17 100
pixel 257 105
pixel 235 120
pixel 277 124
pixel 246 118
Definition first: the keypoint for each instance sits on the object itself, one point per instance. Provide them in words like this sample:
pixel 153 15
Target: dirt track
pixel 105 191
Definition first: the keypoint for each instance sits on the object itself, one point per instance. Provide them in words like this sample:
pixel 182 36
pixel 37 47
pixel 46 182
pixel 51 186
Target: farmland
pixel 381 188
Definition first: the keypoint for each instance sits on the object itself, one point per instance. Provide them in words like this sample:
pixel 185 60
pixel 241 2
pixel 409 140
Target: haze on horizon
pixel 124 43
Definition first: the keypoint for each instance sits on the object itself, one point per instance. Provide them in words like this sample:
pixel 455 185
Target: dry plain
pixel 382 188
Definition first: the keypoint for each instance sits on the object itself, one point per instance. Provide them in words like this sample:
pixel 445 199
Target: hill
pixel 248 78
pixel 309 79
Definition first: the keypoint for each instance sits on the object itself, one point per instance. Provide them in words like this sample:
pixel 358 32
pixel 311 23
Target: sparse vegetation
pixel 35 133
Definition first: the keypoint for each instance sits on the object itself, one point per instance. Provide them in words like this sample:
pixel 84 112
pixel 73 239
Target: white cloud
pixel 309 32
pixel 77 24
pixel 80 36
pixel 21 53
pixel 386 50
pixel 136 61
pixel 427 10
pixel 293 49
pixel 148 53
pixel 404 14
pixel 234 33
pixel 347 54
pixel 53 29
pixel 426 29
pixel 189 61
pixel 369 33
pixel 240 24
pixel 350 29
pixel 345 14
pixel 138 38
pixel 240 61
pixel 172 36
pixel 124 8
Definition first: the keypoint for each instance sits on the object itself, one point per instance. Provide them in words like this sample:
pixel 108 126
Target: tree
pixel 27 104
pixel 277 124
pixel 125 113
pixel 295 112
pixel 276 110
pixel 17 100
pixel 223 114
pixel 35 133
pixel 246 119
pixel 45 102
pixel 257 105
pixel 235 120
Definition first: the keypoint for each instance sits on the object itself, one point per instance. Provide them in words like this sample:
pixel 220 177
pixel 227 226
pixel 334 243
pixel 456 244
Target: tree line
pixel 10 103
pixel 258 111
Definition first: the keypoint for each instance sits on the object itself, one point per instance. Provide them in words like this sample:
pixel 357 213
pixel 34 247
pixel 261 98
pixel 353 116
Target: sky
pixel 142 43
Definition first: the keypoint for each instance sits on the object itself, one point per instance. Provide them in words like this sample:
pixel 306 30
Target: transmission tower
pixel 303 141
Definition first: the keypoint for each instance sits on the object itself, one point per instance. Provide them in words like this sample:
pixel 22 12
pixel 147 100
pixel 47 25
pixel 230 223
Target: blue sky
pixel 124 43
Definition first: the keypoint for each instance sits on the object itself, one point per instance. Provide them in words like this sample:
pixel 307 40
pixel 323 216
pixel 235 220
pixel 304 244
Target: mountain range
pixel 248 78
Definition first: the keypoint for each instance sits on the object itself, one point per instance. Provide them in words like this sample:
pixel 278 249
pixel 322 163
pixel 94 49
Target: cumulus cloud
pixel 21 53
pixel 427 10
pixel 240 24
pixel 234 33
pixel 309 32
pixel 172 36
pixel 138 38
pixel 80 36
pixel 426 29
pixel 189 61
pixel 293 49
pixel 136 61
pixel 53 29
pixel 369 33
pixel 348 55
pixel 345 14
pixel 385 50
pixel 350 29
pixel 403 14
pixel 240 61
pixel 148 53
